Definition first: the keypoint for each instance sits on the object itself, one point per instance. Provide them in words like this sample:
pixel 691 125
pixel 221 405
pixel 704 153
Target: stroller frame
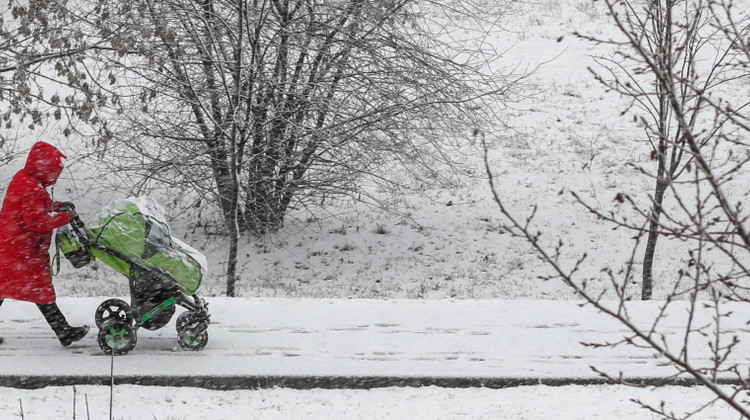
pixel 119 322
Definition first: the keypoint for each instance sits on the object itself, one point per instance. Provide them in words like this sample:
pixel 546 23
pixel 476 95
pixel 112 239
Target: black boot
pixel 65 333
pixel 2 340
pixel 73 334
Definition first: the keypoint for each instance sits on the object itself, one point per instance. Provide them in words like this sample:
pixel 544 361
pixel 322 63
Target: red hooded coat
pixel 26 225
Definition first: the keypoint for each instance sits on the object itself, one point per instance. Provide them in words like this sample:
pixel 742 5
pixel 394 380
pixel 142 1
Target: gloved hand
pixel 66 207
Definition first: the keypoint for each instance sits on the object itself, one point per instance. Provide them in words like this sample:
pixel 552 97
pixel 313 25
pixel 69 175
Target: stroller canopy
pixel 136 228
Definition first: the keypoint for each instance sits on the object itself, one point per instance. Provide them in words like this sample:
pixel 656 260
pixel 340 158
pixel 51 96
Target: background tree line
pixel 255 106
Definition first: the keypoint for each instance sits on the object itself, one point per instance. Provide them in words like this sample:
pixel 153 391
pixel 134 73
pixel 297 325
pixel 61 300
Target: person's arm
pixel 38 220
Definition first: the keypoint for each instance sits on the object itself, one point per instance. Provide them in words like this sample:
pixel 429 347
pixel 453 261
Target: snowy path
pixel 253 340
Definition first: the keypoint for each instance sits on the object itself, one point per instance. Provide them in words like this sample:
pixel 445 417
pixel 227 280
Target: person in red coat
pixel 27 219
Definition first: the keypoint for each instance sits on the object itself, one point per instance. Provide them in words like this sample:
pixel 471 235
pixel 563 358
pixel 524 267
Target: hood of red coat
pixel 44 163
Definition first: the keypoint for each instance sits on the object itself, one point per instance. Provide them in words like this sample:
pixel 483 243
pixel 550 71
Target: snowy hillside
pixel 566 132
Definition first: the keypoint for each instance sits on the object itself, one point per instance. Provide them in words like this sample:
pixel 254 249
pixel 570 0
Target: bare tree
pixel 256 105
pixel 704 137
pixel 42 44
pixel 680 41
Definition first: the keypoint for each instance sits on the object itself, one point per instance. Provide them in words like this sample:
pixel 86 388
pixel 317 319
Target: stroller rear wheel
pixel 113 309
pixel 117 337
pixel 192 334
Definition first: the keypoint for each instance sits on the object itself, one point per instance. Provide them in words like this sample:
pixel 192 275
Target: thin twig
pixel 111 383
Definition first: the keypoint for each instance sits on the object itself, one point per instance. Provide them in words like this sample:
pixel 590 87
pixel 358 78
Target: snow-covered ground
pixel 132 402
pixel 251 337
pixel 344 275
pixel 267 340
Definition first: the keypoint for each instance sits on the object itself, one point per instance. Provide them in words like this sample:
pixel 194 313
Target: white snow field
pixel 132 402
pixel 251 337
pixel 322 343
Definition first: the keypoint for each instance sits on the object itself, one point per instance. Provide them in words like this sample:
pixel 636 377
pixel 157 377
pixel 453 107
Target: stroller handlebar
pixel 77 224
pixel 76 220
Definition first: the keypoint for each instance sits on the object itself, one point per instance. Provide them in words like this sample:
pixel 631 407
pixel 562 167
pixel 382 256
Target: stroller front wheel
pixel 191 335
pixel 117 337
pixel 113 309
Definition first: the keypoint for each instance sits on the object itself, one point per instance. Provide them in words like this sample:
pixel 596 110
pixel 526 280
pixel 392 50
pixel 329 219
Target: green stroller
pixel 132 236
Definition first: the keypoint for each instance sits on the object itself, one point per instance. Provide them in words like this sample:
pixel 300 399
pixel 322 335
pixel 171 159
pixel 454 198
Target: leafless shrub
pixel 697 124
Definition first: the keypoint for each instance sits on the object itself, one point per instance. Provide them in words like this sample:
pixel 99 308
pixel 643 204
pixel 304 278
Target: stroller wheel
pixel 113 309
pixel 117 337
pixel 191 335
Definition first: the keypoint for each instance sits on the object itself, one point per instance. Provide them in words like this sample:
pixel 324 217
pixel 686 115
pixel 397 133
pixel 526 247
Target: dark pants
pixel 54 317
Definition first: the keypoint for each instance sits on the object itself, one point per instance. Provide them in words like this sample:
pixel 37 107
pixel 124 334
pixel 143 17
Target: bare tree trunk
pixel 234 239
pixel 233 220
pixel 661 22
pixel 653 235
